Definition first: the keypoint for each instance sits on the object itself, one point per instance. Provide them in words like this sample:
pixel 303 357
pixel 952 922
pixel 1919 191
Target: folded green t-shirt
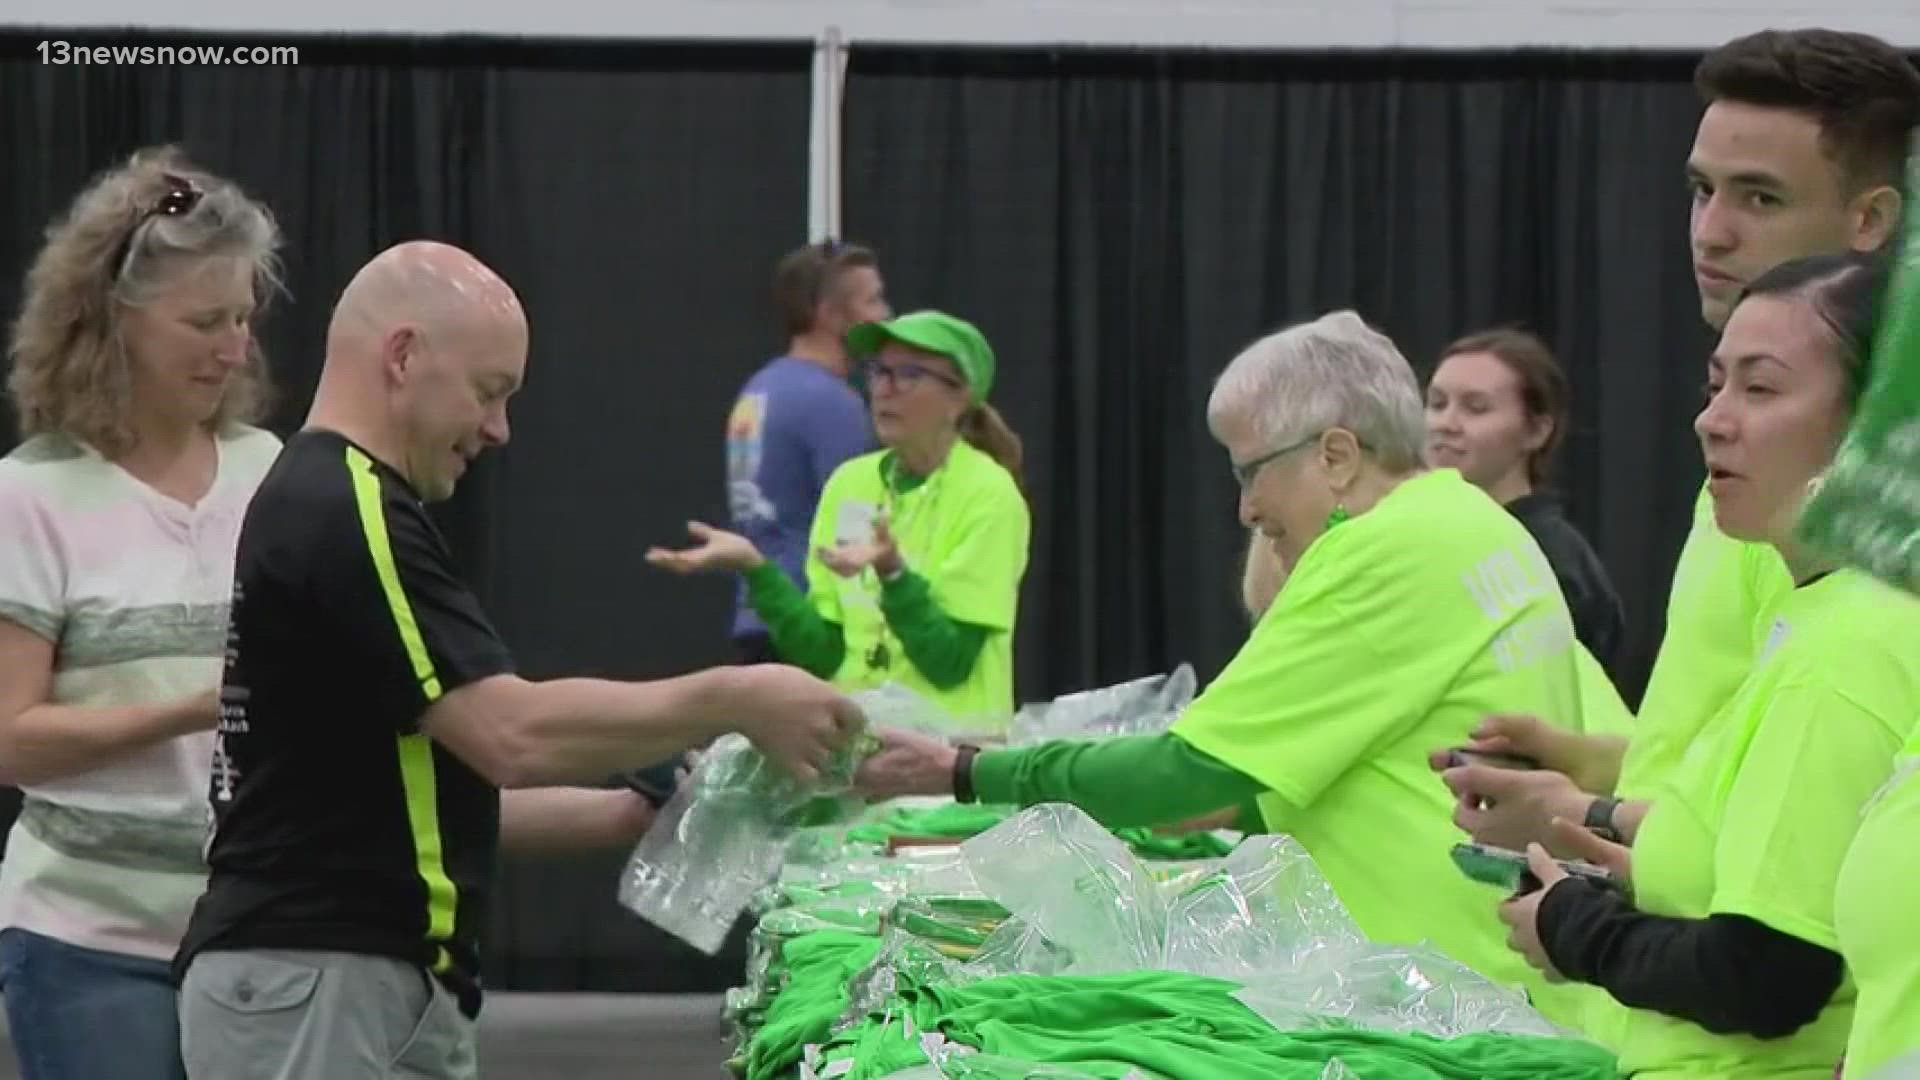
pixel 1182 1027
pixel 966 820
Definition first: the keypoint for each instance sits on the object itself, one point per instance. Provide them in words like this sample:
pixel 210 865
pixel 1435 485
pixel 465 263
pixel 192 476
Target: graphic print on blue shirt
pixel 791 426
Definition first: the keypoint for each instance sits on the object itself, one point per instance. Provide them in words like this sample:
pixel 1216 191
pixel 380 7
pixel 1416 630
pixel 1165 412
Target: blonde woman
pixel 136 377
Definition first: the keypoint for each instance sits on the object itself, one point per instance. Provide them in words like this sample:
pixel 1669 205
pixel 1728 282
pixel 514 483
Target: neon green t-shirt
pixel 1397 632
pixel 1876 910
pixel 1602 710
pixel 1759 813
pixel 1717 607
pixel 966 529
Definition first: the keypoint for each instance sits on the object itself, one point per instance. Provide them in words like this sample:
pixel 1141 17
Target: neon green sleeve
pixel 1129 781
pixel 943 648
pixel 800 634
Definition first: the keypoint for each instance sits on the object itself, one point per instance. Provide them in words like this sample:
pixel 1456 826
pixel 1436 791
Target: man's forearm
pixel 549 819
pixel 578 730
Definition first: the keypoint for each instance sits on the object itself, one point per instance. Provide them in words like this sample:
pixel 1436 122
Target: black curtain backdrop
pixel 1121 225
pixel 636 196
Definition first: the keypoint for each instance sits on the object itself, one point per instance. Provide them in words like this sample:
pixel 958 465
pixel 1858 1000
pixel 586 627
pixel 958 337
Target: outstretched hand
pixel 881 553
pixel 717 549
pixel 907 763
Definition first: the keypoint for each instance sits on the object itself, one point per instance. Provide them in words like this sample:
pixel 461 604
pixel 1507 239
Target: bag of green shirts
pixel 1866 512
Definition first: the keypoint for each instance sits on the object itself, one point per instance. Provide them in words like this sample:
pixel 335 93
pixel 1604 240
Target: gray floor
pixel 583 1037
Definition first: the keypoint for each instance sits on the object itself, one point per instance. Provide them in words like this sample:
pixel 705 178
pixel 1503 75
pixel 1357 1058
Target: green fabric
pixel 943 649
pixel 1182 1027
pixel 1757 817
pixel 971 819
pixel 936 332
pixel 817 968
pixel 1867 512
pixel 966 531
pixel 1873 908
pixel 1133 780
pixel 1718 609
pixel 1250 820
pixel 799 634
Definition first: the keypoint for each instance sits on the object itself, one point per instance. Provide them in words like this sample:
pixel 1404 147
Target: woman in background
pixel 919 548
pixel 136 376
pixel 1497 411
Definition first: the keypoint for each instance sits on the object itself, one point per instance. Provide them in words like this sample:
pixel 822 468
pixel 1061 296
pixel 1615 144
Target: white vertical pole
pixel 823 181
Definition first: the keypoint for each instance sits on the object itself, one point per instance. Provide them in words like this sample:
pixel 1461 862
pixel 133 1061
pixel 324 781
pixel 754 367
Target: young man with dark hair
pixel 799 416
pixel 1798 153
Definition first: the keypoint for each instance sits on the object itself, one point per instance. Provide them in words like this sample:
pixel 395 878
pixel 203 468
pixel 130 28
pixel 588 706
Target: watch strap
pixel 963 772
pixel 1600 818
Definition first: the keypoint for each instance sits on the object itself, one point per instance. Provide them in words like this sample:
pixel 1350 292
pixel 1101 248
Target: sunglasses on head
pixel 177 201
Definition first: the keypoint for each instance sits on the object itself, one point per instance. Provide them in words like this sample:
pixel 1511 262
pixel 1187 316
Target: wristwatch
pixel 963 772
pixel 1600 819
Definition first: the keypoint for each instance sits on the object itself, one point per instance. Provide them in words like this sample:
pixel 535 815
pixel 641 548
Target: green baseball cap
pixel 936 332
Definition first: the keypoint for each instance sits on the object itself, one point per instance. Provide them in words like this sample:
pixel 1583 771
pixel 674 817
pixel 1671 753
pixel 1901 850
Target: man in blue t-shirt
pixel 799 417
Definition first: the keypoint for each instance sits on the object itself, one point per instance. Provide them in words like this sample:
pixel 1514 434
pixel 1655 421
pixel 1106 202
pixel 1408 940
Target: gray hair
pixel 224 223
pixel 1335 371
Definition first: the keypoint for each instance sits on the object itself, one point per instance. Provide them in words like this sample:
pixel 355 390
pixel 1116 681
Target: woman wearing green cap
pixel 919 548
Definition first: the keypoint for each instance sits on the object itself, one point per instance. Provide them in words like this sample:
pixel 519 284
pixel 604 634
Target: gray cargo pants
pixel 287 1015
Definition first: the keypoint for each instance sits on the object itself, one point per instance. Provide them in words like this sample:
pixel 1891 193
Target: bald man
pixel 370 715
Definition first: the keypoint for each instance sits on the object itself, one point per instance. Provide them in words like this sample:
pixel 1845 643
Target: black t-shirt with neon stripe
pixel 338 826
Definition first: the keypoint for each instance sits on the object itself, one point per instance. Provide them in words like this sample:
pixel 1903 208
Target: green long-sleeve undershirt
pixel 1129 781
pixel 942 648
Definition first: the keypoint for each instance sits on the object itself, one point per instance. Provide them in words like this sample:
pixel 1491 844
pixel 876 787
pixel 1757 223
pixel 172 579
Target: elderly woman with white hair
pixel 1414 605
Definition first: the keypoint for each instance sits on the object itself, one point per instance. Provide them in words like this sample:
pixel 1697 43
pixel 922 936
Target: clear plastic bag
pixel 1271 921
pixel 1266 917
pixel 723 835
pixel 1075 883
pixel 1266 908
pixel 1142 706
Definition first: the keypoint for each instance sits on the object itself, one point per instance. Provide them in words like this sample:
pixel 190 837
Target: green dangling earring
pixel 1339 515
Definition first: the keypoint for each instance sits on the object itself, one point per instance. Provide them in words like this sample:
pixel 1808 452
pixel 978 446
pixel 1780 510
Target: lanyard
pixel 880 656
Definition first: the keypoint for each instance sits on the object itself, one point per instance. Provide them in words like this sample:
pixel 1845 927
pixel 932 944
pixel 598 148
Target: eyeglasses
pixel 1245 472
pixel 179 200
pixel 906 376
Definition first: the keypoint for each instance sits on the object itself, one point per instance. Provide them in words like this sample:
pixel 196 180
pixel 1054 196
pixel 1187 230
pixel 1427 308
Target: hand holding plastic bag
pixel 723 834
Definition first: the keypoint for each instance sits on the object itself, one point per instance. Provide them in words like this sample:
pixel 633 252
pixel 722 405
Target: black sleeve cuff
pixel 1571 921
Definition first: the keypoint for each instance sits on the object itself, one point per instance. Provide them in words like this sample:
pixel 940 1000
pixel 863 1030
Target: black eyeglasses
pixel 1246 471
pixel 177 201
pixel 906 376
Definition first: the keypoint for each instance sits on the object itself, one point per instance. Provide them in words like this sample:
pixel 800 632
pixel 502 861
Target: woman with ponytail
pixel 919 548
